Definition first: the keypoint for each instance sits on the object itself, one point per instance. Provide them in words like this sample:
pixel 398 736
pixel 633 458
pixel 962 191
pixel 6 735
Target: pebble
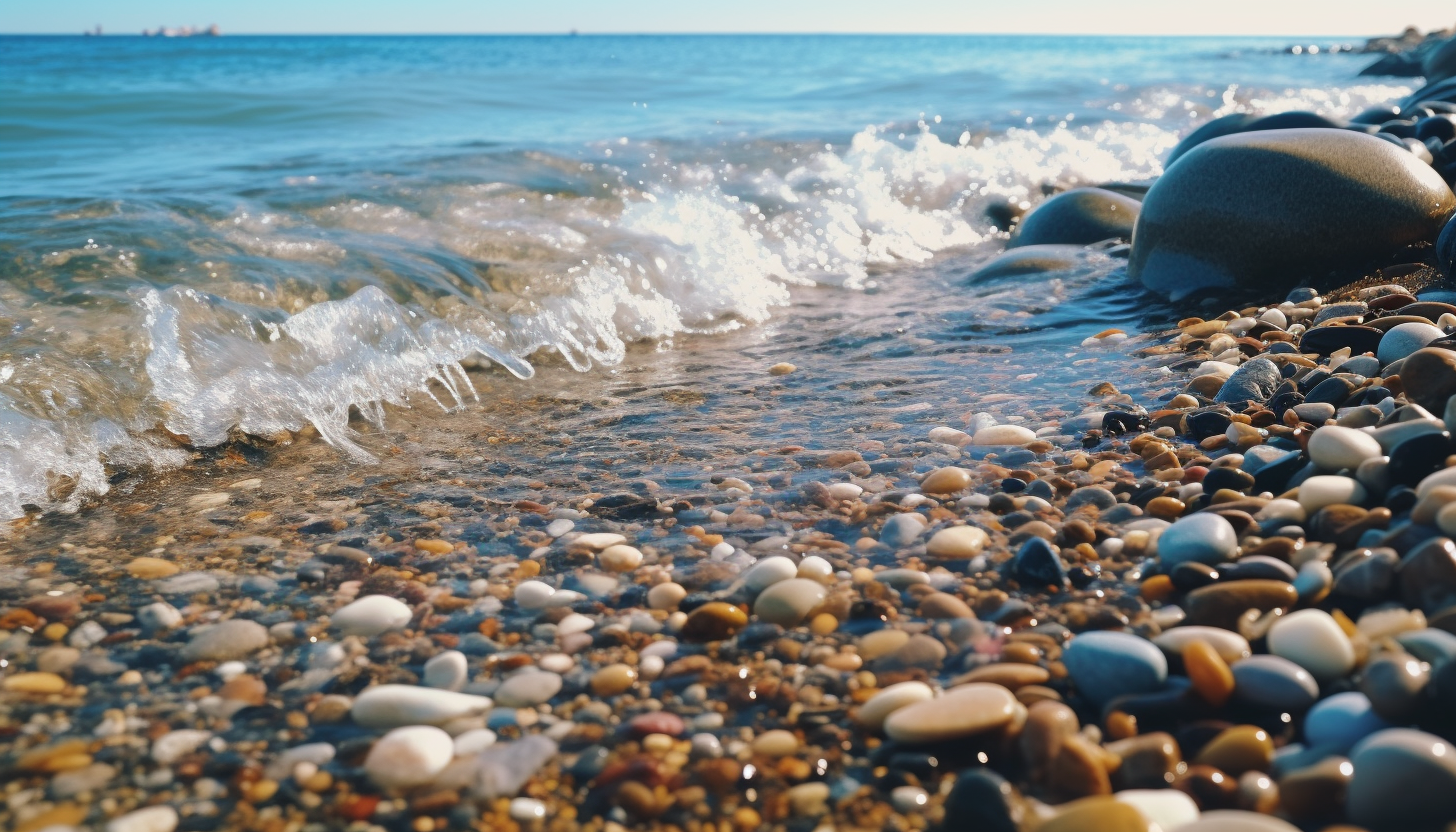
pixel 534 595
pixel 1209 673
pixel 528 689
pixel 146 819
pixel 391 706
pixel 529 809
pixel 474 741
pixel 1003 435
pixel 809 799
pixel 1334 448
pixel 409 757
pixel 957 542
pixel 1203 538
pixel 666 596
pixel 714 621
pixel 1340 721
pixel 446 671
pixel 371 615
pixel 613 679
pixel 1403 779
pixel 946 480
pixel 1314 641
pixel 901 530
pixel 150 569
pixel 768 572
pixel 1168 808
pixel 235 638
pixel 786 603
pixel 620 558
pixel 174 745
pixel 963 711
pixel 1403 339
pixel 1230 646
pixel 873 713
pixel 1319 491
pixel 1274 683
pixel 33 682
pixel 1104 665
pixel 776 743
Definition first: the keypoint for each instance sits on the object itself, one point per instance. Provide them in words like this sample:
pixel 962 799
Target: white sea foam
pixel 379 302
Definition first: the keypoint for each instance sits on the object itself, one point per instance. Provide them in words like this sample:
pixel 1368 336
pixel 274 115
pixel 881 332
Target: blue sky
pixel 1286 17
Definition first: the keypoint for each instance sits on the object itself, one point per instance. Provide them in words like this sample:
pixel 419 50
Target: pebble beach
pixel 865 567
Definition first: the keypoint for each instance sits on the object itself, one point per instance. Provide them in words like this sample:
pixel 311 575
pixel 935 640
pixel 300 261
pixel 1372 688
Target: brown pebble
pixel 1097 814
pixel 1317 792
pixel 1011 675
pixel 1149 761
pixel 1210 788
pixel 1048 725
pixel 714 621
pixel 244 687
pixel 1080 769
pixel 1237 750
pixel 946 480
pixel 1210 674
pixel 1220 605
pixel 944 605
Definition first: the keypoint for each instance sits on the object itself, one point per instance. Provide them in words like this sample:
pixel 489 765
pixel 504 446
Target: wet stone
pixel 964 711
pixel 1104 665
pixel 1403 779
pixel 1274 683
pixel 1038 564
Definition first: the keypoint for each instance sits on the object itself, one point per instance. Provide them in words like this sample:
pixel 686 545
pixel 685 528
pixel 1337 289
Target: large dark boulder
pixel 1439 62
pixel 1244 123
pixel 1275 209
pixel 1078 217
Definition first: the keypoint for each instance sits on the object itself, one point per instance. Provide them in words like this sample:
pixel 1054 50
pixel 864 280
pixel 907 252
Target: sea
pixel 369 250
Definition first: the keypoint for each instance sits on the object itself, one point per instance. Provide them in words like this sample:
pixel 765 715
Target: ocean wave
pixel 317 302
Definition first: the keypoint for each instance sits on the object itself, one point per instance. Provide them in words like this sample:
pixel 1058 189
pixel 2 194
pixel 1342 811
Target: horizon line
pixel 576 33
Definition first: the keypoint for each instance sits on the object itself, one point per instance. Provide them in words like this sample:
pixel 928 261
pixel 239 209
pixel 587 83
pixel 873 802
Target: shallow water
pixel 283 237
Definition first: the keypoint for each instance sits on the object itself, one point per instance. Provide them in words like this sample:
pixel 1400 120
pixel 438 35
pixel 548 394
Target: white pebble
pixel 409 757
pixel 149 819
pixel 1004 435
pixel 524 809
pixel 447 671
pixel 1317 492
pixel 371 615
pixel 533 595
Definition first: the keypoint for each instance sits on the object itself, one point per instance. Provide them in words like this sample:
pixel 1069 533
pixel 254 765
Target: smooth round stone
pixel 1221 604
pixel 714 621
pixel 1106 664
pixel 946 480
pixel 1317 492
pixel 447 671
pixel 1237 750
pixel 1274 208
pixel 941 605
pixel 528 689
pixel 474 741
pixel 409 757
pixel 908 799
pixel 390 706
pixel 786 603
pixel 666 596
pixel 1102 813
pixel 1002 435
pixel 1168 808
pixel 957 542
pixel 1314 641
pixel 1403 339
pixel 1334 448
pixel 815 568
pixel 1203 538
pixel 620 557
pixel 1032 260
pixel 1230 646
pixel 1091 495
pixel 881 643
pixel 872 713
pixel 1404 779
pixel 613 679
pixel 1209 673
pixel 808 800
pixel 1429 377
pixel 146 819
pixel 1081 216
pixel 526 809
pixel 1038 564
pixel 983 801
pixel 371 615
pixel 1274 683
pixel 1395 684
pixel 1254 381
pixel 534 595
pixel 1340 721
pixel 776 743
pixel 768 572
pixel 173 745
pixel 964 711
pixel 902 530
pixel 234 638
pixel 1232 820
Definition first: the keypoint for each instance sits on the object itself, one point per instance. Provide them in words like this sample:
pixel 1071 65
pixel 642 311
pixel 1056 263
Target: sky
pixel 1253 17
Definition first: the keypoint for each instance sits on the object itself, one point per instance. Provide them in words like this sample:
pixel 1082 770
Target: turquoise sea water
pixel 205 236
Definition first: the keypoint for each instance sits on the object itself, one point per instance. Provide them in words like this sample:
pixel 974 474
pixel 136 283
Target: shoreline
pixel 733 586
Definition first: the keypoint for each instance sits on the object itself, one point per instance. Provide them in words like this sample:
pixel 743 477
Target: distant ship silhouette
pixel 180 32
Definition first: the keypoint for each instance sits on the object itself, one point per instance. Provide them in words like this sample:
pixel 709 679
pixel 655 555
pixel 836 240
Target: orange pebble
pixel 1157 588
pixel 1209 673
